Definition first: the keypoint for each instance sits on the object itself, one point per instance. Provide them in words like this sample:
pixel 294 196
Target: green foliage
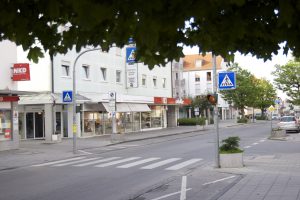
pixel 287 79
pixel 191 121
pixel 263 117
pixel 160 28
pixel 242 120
pixel 230 145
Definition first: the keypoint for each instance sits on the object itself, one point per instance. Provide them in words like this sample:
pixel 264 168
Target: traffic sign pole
pixel 216 117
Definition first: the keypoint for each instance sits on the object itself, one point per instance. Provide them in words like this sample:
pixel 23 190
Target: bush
pixel 242 120
pixel 230 145
pixel 191 121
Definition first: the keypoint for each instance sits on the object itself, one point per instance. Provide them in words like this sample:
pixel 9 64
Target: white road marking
pixel 56 162
pixel 96 161
pixel 117 162
pixel 255 143
pixel 130 145
pixel 247 147
pixel 183 164
pixel 138 163
pixel 171 194
pixel 183 188
pixel 76 161
pixel 262 140
pixel 106 149
pixel 161 163
pixel 219 180
pixel 85 152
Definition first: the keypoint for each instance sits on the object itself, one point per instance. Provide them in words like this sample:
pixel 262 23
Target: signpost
pixel 112 109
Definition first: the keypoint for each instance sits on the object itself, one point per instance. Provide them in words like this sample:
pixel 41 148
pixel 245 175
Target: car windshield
pixel 287 119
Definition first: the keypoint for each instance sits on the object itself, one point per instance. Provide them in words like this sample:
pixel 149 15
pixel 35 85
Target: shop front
pixel 9 138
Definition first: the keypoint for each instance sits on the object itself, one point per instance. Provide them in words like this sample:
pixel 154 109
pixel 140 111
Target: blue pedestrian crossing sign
pixel 226 80
pixel 67 96
pixel 130 54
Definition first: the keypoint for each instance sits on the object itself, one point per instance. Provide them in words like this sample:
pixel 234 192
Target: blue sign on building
pixel 130 54
pixel 226 80
pixel 67 96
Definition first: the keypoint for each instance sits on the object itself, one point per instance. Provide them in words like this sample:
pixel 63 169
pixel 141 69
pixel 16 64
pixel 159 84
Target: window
pixel 208 76
pixel 198 63
pixel 144 79
pixel 103 73
pixel 154 82
pixel 118 76
pixel 86 71
pixel 197 77
pixel 5 125
pixel 164 82
pixel 176 76
pixel 65 70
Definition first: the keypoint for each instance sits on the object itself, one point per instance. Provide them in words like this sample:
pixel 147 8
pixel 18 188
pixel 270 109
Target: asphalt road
pixel 142 170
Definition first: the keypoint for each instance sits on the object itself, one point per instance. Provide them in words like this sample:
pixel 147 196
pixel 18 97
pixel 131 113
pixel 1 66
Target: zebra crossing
pixel 170 164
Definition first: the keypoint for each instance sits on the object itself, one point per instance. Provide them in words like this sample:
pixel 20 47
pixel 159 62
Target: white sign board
pixel 132 75
pixel 112 101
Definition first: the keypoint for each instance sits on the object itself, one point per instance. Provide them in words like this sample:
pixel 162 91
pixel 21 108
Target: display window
pixel 5 125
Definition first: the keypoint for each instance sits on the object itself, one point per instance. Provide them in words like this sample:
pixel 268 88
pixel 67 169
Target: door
pixel 39 125
pixel 29 126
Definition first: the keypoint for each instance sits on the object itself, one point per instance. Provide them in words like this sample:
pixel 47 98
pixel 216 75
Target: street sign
pixel 130 54
pixel 112 101
pixel 226 80
pixel 67 96
pixel 271 108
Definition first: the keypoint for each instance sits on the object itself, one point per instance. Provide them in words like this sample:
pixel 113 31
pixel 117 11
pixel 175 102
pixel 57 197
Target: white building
pixel 198 71
pixel 145 105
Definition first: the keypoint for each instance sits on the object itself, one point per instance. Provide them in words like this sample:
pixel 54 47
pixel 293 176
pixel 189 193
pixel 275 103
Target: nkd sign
pixel 21 72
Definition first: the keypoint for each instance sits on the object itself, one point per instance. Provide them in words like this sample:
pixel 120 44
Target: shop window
pixel 65 70
pixel 5 125
pixel 103 73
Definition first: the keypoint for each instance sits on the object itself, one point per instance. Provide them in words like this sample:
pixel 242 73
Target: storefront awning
pixel 129 107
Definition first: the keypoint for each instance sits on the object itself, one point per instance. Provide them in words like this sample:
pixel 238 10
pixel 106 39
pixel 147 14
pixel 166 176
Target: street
pixel 146 169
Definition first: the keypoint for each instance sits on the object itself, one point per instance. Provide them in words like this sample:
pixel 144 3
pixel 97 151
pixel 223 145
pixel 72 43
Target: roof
pixel 189 62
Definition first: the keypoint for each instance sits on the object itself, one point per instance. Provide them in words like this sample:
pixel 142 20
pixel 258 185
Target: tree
pixel 160 28
pixel 202 103
pixel 265 95
pixel 288 79
pixel 245 92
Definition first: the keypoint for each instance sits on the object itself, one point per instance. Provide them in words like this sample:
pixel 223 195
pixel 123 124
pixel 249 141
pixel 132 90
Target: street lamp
pixel 74 98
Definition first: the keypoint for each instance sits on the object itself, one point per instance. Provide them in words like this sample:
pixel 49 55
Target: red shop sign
pixel 171 101
pixel 8 98
pixel 160 100
pixel 21 72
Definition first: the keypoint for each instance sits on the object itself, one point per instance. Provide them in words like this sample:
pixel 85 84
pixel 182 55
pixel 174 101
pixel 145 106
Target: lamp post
pixel 74 98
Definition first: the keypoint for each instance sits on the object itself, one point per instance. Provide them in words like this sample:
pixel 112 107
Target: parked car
pixel 289 123
pixel 275 117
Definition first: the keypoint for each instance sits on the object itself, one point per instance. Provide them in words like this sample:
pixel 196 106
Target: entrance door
pixel 29 126
pixel 39 125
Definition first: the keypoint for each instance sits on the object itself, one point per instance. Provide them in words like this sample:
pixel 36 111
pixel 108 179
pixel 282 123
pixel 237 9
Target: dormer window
pixel 198 63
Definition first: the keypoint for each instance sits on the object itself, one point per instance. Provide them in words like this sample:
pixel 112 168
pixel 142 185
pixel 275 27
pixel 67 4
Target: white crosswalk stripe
pixel 96 162
pixel 59 161
pixel 138 163
pixel 161 163
pixel 117 162
pixel 74 162
pixel 183 164
pixel 123 163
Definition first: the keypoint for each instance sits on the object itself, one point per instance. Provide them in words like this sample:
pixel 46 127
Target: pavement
pixel 263 177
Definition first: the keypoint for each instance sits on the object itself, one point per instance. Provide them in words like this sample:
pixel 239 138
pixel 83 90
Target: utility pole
pixel 216 112
pixel 74 99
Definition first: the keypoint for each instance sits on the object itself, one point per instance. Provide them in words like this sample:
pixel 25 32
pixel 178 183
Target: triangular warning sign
pixel 131 56
pixel 67 97
pixel 226 82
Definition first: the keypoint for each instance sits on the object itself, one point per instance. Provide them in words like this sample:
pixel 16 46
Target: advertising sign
pixel 21 72
pixel 132 75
